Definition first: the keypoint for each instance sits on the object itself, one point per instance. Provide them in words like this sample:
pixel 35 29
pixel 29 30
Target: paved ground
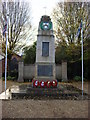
pixel 46 108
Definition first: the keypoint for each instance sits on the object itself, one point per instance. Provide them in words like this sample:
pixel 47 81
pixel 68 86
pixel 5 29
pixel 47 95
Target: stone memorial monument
pixel 44 68
pixel 45 51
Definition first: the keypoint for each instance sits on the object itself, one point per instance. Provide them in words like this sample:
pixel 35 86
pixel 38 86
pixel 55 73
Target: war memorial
pixel 45 54
pixel 44 83
pixel 45 67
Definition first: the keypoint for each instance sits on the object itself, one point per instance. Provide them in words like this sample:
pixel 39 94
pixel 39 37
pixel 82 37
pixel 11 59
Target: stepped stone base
pixel 61 92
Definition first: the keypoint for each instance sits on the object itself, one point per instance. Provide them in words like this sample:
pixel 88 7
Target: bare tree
pixel 67 17
pixel 17 15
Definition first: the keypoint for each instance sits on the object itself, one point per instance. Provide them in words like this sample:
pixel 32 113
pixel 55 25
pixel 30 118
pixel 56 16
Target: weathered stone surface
pixel 51 57
pixel 20 69
pixel 64 71
pixel 45 57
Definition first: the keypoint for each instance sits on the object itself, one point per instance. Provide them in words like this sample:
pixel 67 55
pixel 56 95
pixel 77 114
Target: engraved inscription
pixel 45 70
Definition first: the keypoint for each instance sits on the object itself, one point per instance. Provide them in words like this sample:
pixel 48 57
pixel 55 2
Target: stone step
pixel 61 92
pixel 42 95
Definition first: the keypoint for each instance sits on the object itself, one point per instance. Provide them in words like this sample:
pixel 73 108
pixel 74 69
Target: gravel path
pixel 45 109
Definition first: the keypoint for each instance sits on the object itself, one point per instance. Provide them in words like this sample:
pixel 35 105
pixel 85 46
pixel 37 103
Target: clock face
pixel 46 25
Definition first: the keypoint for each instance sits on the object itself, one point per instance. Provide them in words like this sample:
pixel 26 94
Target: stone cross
pixel 45 9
